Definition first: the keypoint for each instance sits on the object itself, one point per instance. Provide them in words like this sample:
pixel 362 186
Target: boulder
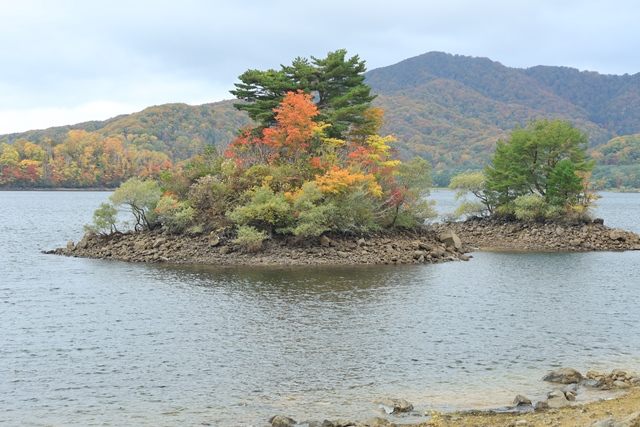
pixel 450 239
pixel 84 243
pixel 563 376
pixel 282 421
pixel 599 221
pixel 521 400
pixel 618 235
pixel 557 399
pixel 70 245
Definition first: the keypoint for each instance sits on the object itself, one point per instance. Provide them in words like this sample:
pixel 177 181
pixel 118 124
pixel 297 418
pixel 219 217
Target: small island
pixel 313 181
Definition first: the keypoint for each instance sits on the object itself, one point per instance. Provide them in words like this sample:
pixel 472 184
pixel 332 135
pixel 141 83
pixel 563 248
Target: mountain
pixel 180 130
pixel 450 109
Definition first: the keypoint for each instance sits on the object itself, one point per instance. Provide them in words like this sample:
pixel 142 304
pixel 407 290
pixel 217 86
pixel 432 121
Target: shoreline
pixel 423 246
pixel 437 243
pixel 593 399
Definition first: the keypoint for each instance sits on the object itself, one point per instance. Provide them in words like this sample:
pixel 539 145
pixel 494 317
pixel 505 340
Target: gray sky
pixel 63 62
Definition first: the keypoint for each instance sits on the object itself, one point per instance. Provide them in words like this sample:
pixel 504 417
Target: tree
pixel 545 158
pixel 335 82
pixel 104 220
pixel 141 197
pixel 474 183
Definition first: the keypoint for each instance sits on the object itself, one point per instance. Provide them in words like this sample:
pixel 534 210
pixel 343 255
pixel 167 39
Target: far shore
pixel 59 189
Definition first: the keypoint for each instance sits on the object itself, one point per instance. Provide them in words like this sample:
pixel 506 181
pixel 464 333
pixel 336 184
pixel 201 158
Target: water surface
pixel 89 342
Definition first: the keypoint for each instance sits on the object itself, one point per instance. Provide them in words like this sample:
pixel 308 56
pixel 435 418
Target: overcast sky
pixel 63 62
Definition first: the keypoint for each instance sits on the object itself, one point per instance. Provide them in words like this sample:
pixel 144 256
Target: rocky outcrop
pixel 497 234
pixel 422 246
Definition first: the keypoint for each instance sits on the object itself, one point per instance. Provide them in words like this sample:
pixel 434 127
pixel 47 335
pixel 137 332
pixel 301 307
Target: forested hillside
pixel 452 109
pixel 449 109
pixel 104 153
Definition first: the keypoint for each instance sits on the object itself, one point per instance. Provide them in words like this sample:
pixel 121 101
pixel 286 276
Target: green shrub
pixel 175 215
pixel 104 220
pixel 249 238
pixel 265 209
pixel 531 207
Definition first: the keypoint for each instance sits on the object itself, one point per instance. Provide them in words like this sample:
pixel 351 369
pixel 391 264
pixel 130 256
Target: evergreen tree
pixel 335 82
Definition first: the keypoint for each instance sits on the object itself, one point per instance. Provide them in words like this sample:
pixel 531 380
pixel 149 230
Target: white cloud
pixel 60 57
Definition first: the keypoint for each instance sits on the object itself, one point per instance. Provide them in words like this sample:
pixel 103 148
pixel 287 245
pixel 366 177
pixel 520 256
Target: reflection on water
pixel 95 342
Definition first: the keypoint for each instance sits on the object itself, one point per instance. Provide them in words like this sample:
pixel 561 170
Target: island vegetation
pixel 314 164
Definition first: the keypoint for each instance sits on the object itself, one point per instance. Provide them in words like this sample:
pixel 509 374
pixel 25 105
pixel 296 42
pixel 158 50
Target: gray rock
pixel 599 221
pixel 521 400
pixel 361 242
pixel 450 239
pixel 282 421
pixel 395 406
pixel 563 376
pixel 557 399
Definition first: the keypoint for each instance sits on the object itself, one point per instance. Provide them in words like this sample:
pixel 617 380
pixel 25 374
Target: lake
pixel 91 342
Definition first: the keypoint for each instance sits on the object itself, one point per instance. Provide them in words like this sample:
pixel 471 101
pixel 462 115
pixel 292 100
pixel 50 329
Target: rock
pixel 570 395
pixel 541 405
pixel 418 254
pixel 84 243
pixel 214 239
pixel 361 242
pixel 425 246
pixel 618 235
pixel 325 241
pixel 159 242
pixel 521 423
pixel 521 400
pixel 557 399
pixel 464 257
pixel 395 406
pixel 599 221
pixel 450 239
pixel 621 384
pixel 70 245
pixel 282 421
pixel 225 250
pixel 563 376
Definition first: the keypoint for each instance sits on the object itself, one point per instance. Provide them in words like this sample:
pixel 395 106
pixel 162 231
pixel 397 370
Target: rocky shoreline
pixel 431 244
pixel 491 234
pixel 560 408
pixel 416 247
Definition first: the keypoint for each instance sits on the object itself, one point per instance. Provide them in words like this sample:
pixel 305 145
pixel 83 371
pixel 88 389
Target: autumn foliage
pixel 83 159
pixel 295 174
